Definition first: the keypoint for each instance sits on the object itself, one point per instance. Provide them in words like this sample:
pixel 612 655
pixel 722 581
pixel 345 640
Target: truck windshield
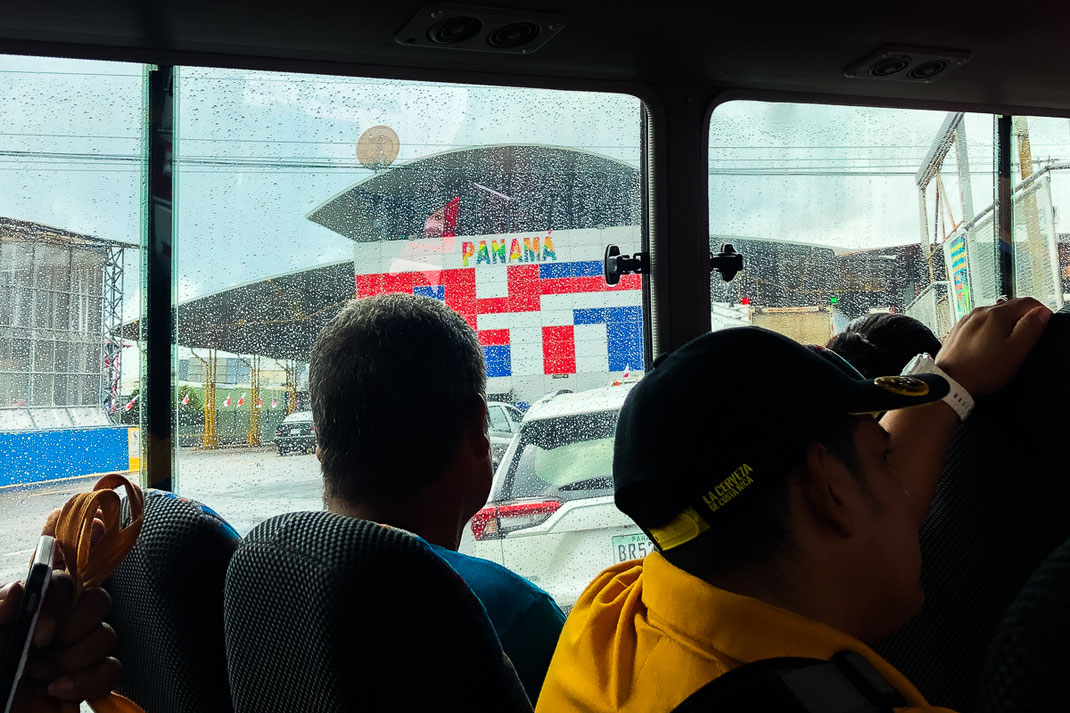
pixel 569 457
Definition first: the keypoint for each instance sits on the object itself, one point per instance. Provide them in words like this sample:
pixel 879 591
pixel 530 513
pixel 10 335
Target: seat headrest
pixel 167 608
pixel 331 613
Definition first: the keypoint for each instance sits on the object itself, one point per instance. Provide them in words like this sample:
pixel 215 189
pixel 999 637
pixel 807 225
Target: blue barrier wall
pixel 35 456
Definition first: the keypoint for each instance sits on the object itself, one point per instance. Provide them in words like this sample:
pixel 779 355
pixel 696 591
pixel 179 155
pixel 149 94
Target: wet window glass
pixel 300 192
pixel 71 170
pixel 545 463
pixel 552 499
pixel 498 421
pixel 1040 176
pixel 515 417
pixel 841 212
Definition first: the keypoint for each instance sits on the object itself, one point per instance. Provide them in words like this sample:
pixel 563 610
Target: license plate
pixel 631 547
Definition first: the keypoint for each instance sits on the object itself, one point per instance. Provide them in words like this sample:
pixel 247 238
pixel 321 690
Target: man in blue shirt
pixel 398 390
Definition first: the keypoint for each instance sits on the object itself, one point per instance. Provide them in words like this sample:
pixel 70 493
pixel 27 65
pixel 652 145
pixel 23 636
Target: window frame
pixel 160 241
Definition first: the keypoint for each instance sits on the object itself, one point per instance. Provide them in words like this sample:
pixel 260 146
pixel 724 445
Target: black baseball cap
pixel 729 410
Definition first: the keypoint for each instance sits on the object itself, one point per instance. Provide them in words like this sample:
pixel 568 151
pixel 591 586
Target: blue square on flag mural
pixel 436 291
pixel 499 360
pixel 624 333
pixel 626 348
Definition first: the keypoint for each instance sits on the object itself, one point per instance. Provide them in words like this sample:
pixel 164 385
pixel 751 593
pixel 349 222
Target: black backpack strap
pixel 846 684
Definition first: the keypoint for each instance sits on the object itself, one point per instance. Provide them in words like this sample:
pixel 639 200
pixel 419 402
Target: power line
pixel 332 162
pixel 344 142
pixel 322 142
pixel 68 160
pixel 246 171
pixel 24 158
pixel 898 159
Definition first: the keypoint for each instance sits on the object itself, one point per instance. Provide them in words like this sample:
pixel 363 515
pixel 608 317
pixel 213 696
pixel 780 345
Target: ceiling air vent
pixel 907 64
pixel 480 29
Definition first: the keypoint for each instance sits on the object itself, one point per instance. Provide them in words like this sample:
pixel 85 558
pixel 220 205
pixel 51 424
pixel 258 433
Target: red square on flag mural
pixel 559 350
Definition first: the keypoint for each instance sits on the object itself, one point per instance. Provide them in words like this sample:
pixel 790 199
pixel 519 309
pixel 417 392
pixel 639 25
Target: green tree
pixel 196 402
pixel 192 412
pixel 134 414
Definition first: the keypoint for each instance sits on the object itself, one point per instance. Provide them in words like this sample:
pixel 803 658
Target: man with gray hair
pixel 398 389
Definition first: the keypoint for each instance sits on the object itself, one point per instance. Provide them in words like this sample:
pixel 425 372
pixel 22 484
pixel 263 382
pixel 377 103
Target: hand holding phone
pixel 20 633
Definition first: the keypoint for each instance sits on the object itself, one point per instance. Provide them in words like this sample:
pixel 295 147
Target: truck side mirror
pixel 614 265
pixel 727 262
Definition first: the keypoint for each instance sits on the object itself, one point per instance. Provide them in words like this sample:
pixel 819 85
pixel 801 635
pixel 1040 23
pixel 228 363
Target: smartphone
pixel 13 657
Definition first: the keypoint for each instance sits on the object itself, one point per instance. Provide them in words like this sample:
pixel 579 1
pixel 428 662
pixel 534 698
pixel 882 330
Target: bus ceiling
pixel 1015 54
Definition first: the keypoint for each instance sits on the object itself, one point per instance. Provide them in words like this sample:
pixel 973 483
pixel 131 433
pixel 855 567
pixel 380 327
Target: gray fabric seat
pixel 167 608
pixel 328 613
pixel 1029 664
pixel 998 512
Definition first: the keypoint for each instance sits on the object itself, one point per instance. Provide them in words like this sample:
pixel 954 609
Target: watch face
pixel 912 364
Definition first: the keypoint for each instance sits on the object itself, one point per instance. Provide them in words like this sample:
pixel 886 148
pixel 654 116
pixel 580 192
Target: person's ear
pixel 478 427
pixel 829 491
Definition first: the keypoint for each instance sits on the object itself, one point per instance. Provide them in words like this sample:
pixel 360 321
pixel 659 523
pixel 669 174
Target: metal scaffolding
pixel 61 319
pixel 114 274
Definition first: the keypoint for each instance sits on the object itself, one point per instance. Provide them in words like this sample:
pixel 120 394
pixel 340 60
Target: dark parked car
pixel 296 433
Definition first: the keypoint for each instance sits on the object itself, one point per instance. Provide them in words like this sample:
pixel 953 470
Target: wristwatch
pixel 957 398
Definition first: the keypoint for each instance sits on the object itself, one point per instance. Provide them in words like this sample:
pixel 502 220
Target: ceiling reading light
pixel 480 29
pixel 907 64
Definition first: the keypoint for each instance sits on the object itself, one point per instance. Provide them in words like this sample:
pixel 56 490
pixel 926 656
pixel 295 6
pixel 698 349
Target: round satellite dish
pixel 378 147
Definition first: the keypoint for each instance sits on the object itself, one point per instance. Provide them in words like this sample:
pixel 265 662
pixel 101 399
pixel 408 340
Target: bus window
pixel 1040 176
pixel 842 212
pixel 298 192
pixel 71 168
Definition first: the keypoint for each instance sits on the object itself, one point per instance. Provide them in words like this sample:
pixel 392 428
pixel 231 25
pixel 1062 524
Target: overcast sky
pixel 258 151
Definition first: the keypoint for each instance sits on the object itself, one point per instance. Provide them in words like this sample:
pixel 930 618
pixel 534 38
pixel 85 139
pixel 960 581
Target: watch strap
pixel 958 398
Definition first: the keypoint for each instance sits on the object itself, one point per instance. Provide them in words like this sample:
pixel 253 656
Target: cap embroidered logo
pixel 902 385
pixel 729 488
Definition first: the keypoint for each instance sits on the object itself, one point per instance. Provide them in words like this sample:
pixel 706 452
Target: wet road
pixel 245 486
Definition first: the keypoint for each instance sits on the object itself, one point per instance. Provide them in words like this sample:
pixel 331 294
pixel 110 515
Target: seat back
pixel 329 613
pixel 167 608
pixel 1029 663
pixel 847 683
pixel 998 512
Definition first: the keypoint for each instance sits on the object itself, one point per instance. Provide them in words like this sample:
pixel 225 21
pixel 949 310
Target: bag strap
pixel 846 684
pixel 89 564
